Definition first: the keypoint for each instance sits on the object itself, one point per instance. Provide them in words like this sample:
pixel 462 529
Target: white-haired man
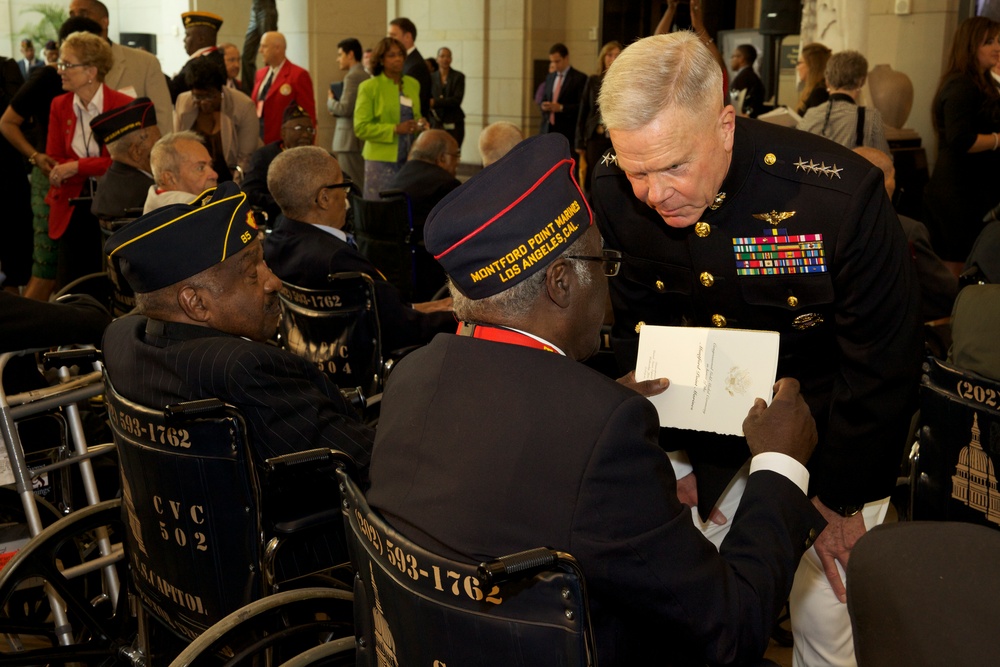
pixel 724 221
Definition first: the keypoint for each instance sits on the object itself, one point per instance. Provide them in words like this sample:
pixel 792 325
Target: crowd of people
pixel 689 539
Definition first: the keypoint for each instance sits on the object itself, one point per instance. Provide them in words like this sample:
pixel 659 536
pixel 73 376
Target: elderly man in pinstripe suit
pixel 208 302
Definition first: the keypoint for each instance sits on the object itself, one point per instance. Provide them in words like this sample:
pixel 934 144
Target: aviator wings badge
pixel 774 217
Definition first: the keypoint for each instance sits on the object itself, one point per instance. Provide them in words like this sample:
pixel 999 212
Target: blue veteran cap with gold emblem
pixel 176 242
pixel 114 124
pixel 510 220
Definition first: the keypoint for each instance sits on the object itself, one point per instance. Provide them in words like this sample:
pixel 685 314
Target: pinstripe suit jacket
pixel 288 404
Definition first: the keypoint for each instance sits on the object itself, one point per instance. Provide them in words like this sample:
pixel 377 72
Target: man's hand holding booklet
pixel 715 374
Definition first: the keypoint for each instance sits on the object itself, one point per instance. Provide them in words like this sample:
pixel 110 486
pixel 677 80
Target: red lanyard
pixel 501 335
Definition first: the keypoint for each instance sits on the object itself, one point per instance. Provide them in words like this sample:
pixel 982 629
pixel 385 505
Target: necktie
pixel 555 96
pixel 351 241
pixel 262 93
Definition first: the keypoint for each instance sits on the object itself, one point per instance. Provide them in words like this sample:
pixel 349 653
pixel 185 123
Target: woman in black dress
pixel 966 114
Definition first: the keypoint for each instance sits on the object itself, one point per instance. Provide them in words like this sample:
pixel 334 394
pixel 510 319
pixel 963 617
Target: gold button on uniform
pixel 792 301
pixel 769 159
pixel 718 320
pixel 707 279
pixel 639 326
pixel 660 286
pixel 702 229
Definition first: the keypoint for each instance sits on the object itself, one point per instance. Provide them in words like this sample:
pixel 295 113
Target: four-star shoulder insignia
pixel 774 217
pixel 610 158
pixel 820 169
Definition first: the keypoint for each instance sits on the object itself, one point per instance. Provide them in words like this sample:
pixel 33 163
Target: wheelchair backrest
pixel 193 529
pixel 959 446
pixel 337 329
pixel 384 232
pixel 414 607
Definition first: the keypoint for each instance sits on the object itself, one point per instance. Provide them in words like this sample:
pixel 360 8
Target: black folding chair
pixel 384 233
pixel 924 594
pixel 414 607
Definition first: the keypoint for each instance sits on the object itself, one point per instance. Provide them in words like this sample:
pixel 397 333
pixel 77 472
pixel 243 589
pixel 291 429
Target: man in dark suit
pixel 730 222
pixel 403 30
pixel 497 440
pixel 129 132
pixel 201 32
pixel 308 243
pixel 563 91
pixel 29 60
pixel 427 176
pixel 346 145
pixel 741 62
pixel 279 84
pixel 208 302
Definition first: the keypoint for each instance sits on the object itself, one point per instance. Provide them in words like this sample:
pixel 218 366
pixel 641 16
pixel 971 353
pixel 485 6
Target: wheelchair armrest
pixel 517 566
pixel 60 358
pixel 355 398
pixel 285 462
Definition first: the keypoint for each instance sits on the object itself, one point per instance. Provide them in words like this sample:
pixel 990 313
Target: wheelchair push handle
pixel 194 408
pixel 75 357
pixel 517 566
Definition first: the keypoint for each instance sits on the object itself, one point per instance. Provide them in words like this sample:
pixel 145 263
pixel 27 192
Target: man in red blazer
pixel 278 84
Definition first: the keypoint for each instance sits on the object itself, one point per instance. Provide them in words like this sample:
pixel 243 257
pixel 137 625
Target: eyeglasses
pixel 611 261
pixel 346 185
pixel 456 155
pixel 62 66
pixel 303 128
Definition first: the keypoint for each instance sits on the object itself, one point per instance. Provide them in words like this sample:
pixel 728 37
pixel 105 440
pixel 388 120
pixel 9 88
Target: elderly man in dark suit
pixel 427 176
pixel 129 132
pixel 208 302
pixel 405 31
pixel 496 440
pixel 308 243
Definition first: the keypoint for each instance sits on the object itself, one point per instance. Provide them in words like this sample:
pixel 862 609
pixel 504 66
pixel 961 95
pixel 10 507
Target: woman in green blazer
pixel 386 116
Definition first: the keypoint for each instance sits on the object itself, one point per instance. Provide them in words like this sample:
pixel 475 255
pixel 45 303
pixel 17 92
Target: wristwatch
pixel 847 510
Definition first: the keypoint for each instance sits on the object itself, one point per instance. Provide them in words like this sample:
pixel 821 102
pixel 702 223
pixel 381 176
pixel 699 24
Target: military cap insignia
pixel 773 218
pixel 821 169
pixel 610 158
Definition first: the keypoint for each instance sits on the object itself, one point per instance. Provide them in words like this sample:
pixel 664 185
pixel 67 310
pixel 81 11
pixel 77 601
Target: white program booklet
pixel 715 374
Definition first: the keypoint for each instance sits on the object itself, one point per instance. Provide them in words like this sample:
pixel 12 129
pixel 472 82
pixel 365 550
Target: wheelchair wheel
pixel 98 625
pixel 276 629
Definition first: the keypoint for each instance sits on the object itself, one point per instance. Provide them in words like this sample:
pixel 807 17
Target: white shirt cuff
pixel 783 464
pixel 681 463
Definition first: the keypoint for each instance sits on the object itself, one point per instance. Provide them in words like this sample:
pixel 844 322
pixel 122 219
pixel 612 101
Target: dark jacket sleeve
pixel 648 558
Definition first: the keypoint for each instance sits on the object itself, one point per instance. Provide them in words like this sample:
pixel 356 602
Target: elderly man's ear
pixel 191 300
pixel 559 281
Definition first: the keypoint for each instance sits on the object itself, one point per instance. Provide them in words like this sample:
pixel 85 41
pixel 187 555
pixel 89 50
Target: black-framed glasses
pixel 346 185
pixel 611 261
pixel 62 65
pixel 308 129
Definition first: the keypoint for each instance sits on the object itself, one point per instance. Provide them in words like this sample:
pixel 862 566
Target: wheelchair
pixel 414 607
pixel 207 525
pixel 338 329
pixel 952 472
pixel 52 472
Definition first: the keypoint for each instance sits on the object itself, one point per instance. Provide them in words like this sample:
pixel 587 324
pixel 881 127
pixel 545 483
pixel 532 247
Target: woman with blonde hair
pixel 591 137
pixel 84 60
pixel 811 70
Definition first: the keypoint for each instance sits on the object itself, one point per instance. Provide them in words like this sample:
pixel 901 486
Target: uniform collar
pixel 161 333
pixel 744 155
